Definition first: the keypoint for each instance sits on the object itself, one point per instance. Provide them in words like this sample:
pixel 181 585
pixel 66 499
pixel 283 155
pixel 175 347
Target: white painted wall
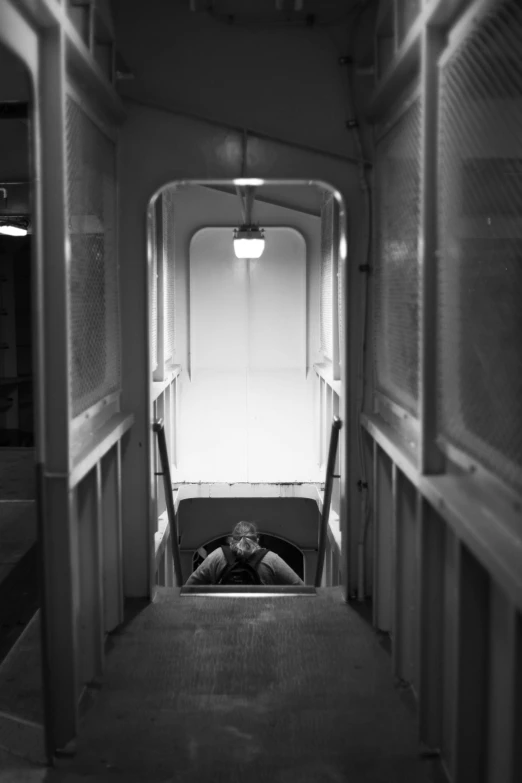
pixel 198 207
pixel 194 209
pixel 247 407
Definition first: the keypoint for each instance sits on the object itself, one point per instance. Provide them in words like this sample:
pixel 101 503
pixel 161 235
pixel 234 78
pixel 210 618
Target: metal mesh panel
pixel 93 273
pixel 153 250
pixel 169 272
pixel 327 263
pixel 396 263
pixel 480 238
pixel 407 12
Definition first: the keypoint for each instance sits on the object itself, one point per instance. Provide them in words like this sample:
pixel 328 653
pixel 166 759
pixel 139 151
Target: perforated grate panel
pixel 169 251
pixel 153 250
pixel 396 278
pixel 480 237
pixel 93 271
pixel 327 264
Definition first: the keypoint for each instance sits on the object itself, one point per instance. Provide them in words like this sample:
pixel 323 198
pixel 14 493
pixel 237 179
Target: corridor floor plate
pixel 262 691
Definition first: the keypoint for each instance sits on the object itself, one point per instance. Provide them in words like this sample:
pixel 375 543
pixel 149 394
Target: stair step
pixel 248 591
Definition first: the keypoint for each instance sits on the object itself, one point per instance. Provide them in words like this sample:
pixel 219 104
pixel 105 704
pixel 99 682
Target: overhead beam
pixel 273 202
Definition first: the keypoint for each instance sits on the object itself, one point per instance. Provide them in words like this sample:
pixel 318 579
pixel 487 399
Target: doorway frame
pixel 341 351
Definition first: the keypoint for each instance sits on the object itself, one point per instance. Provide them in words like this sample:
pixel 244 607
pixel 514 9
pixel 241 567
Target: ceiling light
pixel 249 242
pixel 14 226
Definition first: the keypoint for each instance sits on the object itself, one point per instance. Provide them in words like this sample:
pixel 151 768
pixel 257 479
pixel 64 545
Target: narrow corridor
pixel 262 689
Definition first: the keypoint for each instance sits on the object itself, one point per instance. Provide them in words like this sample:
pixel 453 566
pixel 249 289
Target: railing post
pixel 330 468
pixel 167 483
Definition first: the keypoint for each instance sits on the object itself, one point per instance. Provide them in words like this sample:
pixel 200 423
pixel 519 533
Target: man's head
pixel 244 539
pixel 245 530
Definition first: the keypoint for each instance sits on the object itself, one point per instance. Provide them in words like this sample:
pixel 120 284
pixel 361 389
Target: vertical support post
pixel 345 402
pixel 318 408
pixel 382 507
pixel 169 562
pixel 393 552
pixel 335 291
pixel 375 536
pixel 168 417
pixel 450 614
pixel 502 737
pixel 310 565
pixel 472 670
pixel 324 420
pixel 335 566
pixel 159 372
pixel 329 414
pixel 327 579
pixel 430 623
pixel 516 749
pixel 160 486
pixel 60 605
pixel 430 457
pixel 112 551
pixel 91 577
pixel 175 421
pixel 404 663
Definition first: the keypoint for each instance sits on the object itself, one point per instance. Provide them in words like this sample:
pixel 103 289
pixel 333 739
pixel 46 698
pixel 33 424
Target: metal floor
pixel 286 690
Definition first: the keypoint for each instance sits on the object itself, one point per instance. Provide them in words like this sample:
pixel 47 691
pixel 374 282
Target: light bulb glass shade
pixel 14 225
pixel 11 230
pixel 249 248
pixel 249 242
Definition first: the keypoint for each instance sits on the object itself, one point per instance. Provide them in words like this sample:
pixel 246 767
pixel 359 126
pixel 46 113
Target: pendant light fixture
pixel 249 242
pixel 249 239
pixel 14 226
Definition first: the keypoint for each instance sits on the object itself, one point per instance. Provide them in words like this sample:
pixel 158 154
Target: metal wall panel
pixel 480 241
pixel 396 313
pixel 93 271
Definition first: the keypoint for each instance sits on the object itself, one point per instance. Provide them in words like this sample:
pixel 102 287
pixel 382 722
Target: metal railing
pixel 159 429
pixel 330 475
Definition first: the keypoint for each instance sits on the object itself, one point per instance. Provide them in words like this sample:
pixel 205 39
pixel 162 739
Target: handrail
pixel 159 429
pixel 330 467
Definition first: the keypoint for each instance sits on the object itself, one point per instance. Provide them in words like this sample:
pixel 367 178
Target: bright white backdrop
pixel 246 414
